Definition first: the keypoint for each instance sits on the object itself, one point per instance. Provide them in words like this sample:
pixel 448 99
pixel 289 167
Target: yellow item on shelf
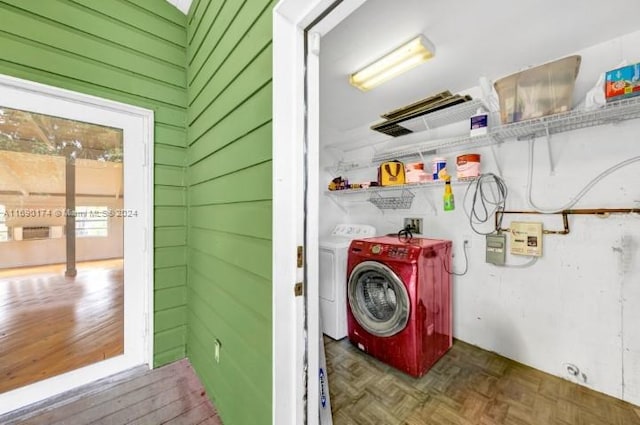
pixel 391 173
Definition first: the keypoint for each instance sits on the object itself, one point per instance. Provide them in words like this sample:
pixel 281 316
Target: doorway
pixel 75 236
pixel 296 395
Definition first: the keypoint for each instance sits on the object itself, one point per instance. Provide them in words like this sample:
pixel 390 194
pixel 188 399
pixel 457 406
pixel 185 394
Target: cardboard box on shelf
pixel 622 82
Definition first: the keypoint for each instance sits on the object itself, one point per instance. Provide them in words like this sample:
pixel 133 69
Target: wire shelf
pixel 393 200
pixel 346 166
pixel 453 114
pixel 439 145
pixel 421 185
pixel 621 110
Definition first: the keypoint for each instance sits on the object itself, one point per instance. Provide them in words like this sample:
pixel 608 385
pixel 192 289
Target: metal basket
pixel 400 199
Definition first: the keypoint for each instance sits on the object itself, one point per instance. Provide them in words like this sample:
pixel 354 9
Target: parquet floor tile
pixel 468 386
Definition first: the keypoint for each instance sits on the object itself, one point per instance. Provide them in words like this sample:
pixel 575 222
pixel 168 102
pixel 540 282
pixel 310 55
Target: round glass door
pixel 378 299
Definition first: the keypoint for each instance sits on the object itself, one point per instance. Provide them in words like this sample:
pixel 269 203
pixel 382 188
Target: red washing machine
pixel 399 293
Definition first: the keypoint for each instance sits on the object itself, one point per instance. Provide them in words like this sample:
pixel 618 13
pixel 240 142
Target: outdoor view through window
pixel 61 246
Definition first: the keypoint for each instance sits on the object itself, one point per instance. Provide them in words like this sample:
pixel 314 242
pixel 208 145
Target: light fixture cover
pixel 400 60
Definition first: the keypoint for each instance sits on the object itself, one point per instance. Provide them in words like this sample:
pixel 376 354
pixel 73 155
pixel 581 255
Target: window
pixel 4 230
pixel 92 221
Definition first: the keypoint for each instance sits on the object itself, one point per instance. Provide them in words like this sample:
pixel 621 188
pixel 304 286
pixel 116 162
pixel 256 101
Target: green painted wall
pixel 229 204
pixel 207 77
pixel 132 51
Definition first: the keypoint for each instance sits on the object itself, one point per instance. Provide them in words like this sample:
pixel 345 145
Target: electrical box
pixel 526 238
pixel 496 248
pixel 415 225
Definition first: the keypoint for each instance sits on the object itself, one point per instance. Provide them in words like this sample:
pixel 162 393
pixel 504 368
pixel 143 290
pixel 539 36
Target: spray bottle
pixel 449 204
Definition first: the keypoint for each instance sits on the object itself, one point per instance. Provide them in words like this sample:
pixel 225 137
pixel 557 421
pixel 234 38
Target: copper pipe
pixel 581 211
pixel 565 218
pixel 603 211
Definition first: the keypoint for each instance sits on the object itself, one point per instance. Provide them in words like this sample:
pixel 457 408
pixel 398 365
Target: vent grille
pixel 40 232
pixel 420 109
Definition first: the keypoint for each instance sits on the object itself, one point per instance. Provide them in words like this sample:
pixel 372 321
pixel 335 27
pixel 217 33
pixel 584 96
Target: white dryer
pixel 333 276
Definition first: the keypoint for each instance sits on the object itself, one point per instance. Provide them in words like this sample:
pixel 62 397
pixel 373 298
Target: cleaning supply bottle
pixel 479 123
pixel 449 204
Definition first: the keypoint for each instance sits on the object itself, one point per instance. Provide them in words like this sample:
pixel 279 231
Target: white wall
pixel 579 303
pixel 53 251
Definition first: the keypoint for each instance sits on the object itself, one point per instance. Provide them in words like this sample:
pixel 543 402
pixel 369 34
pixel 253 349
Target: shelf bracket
pixel 338 204
pixel 430 201
pixel 335 152
pixel 495 159
pixel 426 124
pixel 496 137
pixel 552 170
pixel 333 171
pixel 419 151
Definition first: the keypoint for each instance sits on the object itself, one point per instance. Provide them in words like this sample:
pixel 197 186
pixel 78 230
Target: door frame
pixel 142 122
pixel 296 106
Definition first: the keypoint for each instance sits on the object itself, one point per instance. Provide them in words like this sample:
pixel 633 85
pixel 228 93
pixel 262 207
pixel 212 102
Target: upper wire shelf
pixel 454 114
pixel 460 112
pixel 621 110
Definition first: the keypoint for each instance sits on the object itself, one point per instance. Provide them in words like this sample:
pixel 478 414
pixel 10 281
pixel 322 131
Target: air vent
pixel 403 121
pixel 391 128
pixel 30 233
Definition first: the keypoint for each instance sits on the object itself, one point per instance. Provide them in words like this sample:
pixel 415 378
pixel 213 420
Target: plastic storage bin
pixel 544 90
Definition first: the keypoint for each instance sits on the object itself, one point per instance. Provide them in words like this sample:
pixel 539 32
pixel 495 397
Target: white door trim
pixel 290 18
pixel 140 123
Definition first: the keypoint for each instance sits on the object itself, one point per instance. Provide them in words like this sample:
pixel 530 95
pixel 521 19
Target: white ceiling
pixel 182 5
pixel 472 38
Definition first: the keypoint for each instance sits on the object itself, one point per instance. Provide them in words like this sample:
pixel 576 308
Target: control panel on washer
pixel 391 251
pixel 398 251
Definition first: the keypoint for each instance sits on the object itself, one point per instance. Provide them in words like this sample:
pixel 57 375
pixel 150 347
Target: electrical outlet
pixel 216 350
pixel 415 225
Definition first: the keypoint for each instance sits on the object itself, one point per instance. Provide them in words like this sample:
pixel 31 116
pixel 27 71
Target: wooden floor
pixel 51 324
pixel 170 395
pixel 467 386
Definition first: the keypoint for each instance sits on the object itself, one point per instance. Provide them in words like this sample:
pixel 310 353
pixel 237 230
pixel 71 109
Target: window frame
pixel 4 229
pixel 92 214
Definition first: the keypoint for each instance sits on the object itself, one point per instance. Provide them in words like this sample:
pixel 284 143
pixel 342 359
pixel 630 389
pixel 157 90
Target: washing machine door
pixel 378 299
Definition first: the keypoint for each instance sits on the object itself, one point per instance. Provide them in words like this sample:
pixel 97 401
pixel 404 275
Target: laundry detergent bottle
pixel 449 204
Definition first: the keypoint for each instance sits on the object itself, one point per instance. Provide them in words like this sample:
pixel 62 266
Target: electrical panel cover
pixel 526 238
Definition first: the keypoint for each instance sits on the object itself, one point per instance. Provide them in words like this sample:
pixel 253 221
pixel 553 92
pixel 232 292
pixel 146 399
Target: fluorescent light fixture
pixel 400 60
